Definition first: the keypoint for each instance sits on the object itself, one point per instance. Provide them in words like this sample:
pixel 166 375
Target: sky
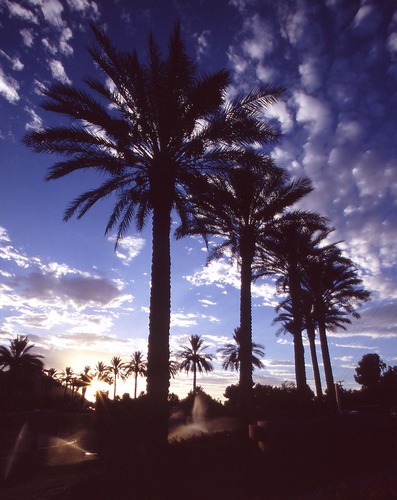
pixel 80 301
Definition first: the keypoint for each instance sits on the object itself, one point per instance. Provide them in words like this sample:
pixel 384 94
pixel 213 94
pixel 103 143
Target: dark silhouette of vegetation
pixel 230 353
pixel 240 208
pixel 136 366
pixel 370 370
pixel 193 359
pixel 155 133
pixel 21 368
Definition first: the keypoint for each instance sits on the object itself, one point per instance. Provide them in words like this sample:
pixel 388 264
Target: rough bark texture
pixel 246 382
pixel 316 371
pixel 299 352
pixel 159 323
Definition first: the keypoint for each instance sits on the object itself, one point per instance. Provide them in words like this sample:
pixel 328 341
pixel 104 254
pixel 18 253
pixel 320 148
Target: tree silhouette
pixel 285 250
pixel 240 208
pixel 19 363
pixel 66 377
pixel 151 133
pixel 230 353
pixel 137 366
pixel 193 359
pixel 369 370
pixel 85 380
pixel 117 369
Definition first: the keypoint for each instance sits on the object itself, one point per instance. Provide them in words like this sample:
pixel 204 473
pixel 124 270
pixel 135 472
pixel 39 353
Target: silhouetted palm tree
pixel 162 127
pixel 337 292
pixel 67 377
pixel 20 364
pixel 240 208
pixel 85 380
pixel 284 253
pixel 138 366
pixel 117 369
pixel 230 353
pixel 193 359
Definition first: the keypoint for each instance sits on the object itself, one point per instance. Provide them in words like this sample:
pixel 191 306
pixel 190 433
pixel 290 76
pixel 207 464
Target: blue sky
pixel 79 301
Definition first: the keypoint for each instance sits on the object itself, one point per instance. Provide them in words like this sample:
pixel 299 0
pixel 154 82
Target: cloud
pixel 58 71
pixel 27 36
pixel 52 12
pixel 35 122
pixel 129 247
pixel 85 8
pixel 9 88
pixel 16 10
pixel 202 43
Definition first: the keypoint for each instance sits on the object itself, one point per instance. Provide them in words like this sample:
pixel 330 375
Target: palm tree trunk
pixel 159 319
pixel 311 335
pixel 246 381
pixel 299 351
pixel 329 377
pixel 136 384
pixel 194 378
pixel 114 387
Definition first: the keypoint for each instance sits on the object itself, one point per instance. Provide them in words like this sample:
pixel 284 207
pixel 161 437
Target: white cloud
pixel 129 247
pixel 27 36
pixel 85 8
pixel 21 12
pixel 9 88
pixel 202 43
pixel 58 71
pixel 52 12
pixel 35 122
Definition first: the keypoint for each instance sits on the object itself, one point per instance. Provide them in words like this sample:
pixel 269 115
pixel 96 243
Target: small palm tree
pixel 85 379
pixel 138 366
pixel 230 353
pixel 116 370
pixel 67 377
pixel 19 363
pixel 193 359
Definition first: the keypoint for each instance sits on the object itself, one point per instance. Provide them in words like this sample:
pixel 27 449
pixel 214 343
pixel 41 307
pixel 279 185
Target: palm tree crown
pixel 17 359
pixel 231 353
pixel 137 366
pixel 117 369
pixel 193 359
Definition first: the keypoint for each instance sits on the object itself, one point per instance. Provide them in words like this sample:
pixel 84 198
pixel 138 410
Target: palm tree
pixel 116 370
pixel 85 379
pixel 20 364
pixel 240 208
pixel 286 320
pixel 193 359
pixel 138 366
pixel 337 291
pixel 67 377
pixel 284 252
pixel 230 353
pixel 163 126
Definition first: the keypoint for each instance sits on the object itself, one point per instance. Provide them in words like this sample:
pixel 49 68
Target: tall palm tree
pixel 240 208
pixel 286 319
pixel 138 366
pixel 20 364
pixel 117 369
pixel 284 252
pixel 162 126
pixel 230 353
pixel 85 379
pixel 337 292
pixel 67 377
pixel 193 358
